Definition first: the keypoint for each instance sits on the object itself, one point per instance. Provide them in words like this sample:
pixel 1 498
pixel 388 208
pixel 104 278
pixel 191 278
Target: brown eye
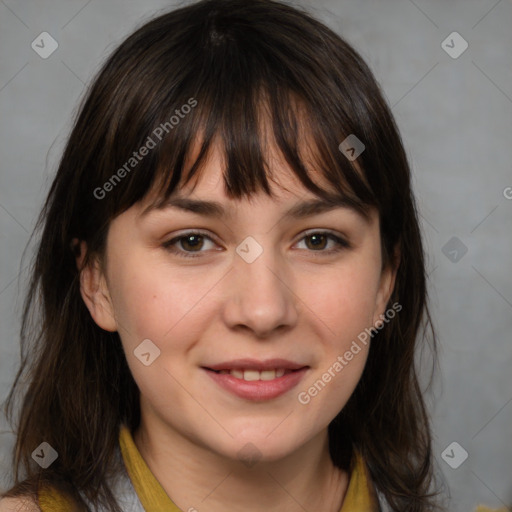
pixel 318 242
pixel 189 245
pixel 191 242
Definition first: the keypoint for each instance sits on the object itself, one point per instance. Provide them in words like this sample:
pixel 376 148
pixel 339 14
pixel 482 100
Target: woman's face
pixel 267 297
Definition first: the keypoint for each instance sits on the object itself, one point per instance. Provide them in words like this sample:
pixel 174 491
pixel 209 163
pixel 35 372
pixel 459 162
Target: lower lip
pixel 258 390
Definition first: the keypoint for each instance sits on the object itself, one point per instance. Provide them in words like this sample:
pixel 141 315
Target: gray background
pixel 455 116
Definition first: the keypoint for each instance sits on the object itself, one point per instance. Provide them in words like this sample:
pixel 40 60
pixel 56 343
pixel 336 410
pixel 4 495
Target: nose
pixel 260 296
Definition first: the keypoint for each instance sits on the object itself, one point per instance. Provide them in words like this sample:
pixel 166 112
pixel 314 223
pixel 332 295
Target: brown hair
pixel 224 59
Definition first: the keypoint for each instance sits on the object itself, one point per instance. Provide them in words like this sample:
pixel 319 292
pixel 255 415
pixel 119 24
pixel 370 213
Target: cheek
pixel 330 387
pixel 153 301
pixel 136 302
pixel 344 300
pixel 150 305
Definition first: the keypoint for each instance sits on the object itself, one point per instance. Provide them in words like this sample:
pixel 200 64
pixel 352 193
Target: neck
pixel 198 479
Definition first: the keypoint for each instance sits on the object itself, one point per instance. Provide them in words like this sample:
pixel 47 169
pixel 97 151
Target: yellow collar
pixel 151 494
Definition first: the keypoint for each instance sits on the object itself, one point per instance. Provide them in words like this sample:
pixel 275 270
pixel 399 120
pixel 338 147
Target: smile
pixel 257 384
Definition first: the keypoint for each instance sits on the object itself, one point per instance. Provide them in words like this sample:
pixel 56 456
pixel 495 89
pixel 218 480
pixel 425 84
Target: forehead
pixel 206 195
pixel 210 178
pixel 246 154
pixel 283 181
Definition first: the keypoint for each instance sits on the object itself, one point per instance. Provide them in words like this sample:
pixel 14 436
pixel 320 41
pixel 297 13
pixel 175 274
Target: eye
pixel 191 242
pixel 318 241
pixel 190 245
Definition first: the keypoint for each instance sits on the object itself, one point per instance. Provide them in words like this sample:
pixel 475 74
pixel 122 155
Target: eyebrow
pixel 297 211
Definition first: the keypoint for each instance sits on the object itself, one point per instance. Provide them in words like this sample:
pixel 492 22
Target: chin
pixel 256 445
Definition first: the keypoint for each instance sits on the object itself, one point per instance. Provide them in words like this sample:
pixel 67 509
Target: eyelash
pixel 341 243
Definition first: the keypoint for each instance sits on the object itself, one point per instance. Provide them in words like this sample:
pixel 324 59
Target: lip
pixel 259 390
pixel 254 364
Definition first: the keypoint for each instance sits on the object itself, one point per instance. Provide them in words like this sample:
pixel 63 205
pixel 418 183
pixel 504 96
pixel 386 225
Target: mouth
pixel 254 375
pixel 257 380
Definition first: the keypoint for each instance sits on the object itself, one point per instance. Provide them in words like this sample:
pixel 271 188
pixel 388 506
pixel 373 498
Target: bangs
pixel 251 90
pixel 249 125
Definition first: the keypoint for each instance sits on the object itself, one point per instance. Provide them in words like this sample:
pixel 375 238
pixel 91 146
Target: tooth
pixel 251 375
pixel 267 375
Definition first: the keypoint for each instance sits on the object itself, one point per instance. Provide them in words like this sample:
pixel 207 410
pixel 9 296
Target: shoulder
pixel 49 498
pixel 19 504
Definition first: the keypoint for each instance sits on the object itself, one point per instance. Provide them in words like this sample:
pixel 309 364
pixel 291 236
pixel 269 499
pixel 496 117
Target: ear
pixel 387 284
pixel 94 289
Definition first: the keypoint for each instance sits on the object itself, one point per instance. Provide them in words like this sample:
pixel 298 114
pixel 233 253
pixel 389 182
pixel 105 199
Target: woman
pixel 232 282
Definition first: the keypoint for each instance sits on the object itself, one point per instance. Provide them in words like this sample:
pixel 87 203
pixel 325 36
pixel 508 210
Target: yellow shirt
pixel 359 497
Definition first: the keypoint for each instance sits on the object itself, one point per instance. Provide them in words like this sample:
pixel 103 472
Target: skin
pixel 296 301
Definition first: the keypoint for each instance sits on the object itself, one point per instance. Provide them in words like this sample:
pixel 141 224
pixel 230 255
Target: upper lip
pixel 254 364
